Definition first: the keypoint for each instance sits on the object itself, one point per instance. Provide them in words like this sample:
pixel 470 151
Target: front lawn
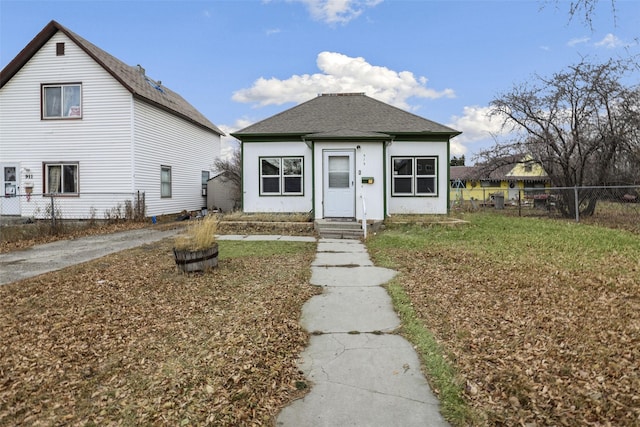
pixel 126 339
pixel 538 319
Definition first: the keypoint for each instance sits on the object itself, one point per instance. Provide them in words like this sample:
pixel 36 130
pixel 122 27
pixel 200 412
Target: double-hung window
pixel 61 178
pixel 165 181
pixel 414 176
pixel 281 176
pixel 62 101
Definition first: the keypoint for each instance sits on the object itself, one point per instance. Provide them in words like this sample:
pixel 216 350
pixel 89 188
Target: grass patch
pixel 441 373
pixel 538 317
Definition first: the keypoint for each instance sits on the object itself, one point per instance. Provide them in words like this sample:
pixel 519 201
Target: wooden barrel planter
pixel 190 261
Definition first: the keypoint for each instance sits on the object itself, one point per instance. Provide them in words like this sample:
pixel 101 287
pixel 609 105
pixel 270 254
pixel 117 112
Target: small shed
pixel 222 194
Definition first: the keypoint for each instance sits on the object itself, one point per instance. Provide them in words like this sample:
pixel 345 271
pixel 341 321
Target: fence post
pixel 576 203
pixel 53 215
pixel 519 203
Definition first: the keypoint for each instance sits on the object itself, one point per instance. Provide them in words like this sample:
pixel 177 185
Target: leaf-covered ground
pixel 543 326
pixel 128 340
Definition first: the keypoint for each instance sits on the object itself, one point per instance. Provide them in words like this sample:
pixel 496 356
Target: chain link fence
pixel 58 209
pixel 617 206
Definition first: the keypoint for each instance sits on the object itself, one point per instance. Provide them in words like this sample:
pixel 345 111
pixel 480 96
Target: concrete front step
pixel 328 229
pixel 340 234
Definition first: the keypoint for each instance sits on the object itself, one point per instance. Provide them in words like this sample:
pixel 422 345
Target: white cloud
pixel 341 73
pixel 229 143
pixel 610 42
pixel 272 31
pixel 337 11
pixel 477 125
pixel 576 41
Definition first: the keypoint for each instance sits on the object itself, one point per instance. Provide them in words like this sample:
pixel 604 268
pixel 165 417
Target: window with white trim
pixel 62 101
pixel 61 178
pixel 281 176
pixel 414 176
pixel 165 181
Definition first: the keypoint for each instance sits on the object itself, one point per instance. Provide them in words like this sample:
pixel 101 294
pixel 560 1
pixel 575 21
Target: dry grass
pixel 267 217
pixel 200 234
pixel 129 340
pixel 540 318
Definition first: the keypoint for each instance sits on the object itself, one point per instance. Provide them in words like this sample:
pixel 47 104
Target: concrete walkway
pixel 361 373
pixel 22 264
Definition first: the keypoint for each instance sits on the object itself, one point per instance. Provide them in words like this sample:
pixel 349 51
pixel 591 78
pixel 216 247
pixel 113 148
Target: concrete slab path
pixel 22 264
pixel 361 373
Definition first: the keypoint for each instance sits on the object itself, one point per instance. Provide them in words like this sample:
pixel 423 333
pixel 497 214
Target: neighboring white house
pixel 78 123
pixel 341 155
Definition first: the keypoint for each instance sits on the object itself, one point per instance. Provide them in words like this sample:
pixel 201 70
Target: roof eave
pixel 27 53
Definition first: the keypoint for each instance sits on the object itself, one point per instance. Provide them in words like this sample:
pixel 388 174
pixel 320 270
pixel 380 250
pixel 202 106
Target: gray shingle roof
pixel 345 115
pixel 131 77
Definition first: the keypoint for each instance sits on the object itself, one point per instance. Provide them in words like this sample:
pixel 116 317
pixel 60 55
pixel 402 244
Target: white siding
pixel 162 139
pixel 252 201
pixel 368 163
pixel 419 205
pixel 99 142
pixel 111 167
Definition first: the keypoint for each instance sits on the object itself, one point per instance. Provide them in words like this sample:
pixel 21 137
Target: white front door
pixel 339 184
pixel 10 203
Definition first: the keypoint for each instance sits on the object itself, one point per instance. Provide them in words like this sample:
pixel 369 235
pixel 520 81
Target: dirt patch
pixel 266 227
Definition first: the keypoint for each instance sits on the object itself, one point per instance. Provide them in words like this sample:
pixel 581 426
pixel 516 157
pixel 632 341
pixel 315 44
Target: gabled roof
pixel 352 115
pixel 132 78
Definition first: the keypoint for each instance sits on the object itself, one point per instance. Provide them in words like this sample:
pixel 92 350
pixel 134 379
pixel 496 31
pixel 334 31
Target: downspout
pixel 242 176
pixel 311 146
pixel 384 176
pixel 448 176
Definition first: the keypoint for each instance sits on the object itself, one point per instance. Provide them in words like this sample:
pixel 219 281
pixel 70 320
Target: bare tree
pixel 586 8
pixel 231 170
pixel 581 125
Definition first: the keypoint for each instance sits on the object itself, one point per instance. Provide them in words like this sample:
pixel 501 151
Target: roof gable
pixel 346 114
pixel 132 78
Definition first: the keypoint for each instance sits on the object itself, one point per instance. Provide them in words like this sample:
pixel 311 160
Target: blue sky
pixel 241 61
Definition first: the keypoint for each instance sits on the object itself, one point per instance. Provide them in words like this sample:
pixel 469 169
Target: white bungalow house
pixel 78 123
pixel 345 155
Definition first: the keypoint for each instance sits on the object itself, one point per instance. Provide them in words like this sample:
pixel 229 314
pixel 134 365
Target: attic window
pixel 60 49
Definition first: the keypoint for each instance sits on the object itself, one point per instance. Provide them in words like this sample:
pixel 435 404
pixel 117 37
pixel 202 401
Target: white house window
pixel 281 176
pixel 414 176
pixel 165 181
pixel 61 178
pixel 62 101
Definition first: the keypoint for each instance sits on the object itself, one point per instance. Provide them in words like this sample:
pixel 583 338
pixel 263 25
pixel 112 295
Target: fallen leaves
pixel 535 344
pixel 128 339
